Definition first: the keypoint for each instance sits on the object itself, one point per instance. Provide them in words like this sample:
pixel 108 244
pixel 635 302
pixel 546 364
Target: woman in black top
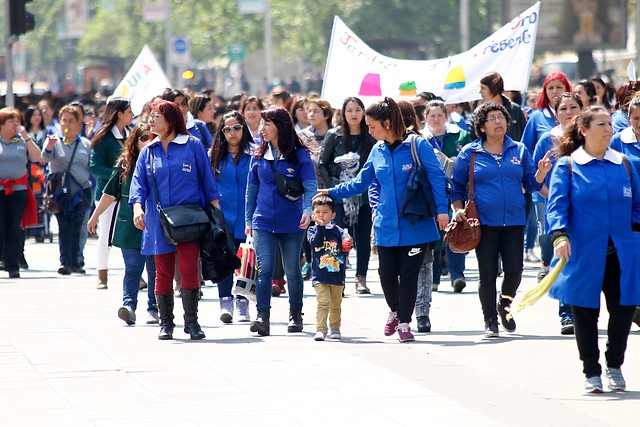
pixel 350 144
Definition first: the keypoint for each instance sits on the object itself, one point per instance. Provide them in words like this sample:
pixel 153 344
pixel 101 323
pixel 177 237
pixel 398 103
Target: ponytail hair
pixel 387 109
pixel 572 138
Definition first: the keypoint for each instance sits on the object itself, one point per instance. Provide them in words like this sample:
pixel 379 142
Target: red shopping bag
pixel 246 275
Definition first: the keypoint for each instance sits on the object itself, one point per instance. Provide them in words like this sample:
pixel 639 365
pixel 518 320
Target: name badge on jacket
pixel 186 167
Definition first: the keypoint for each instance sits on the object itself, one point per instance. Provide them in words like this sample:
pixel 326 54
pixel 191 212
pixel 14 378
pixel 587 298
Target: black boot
pixel 190 304
pixel 295 320
pixel 424 324
pixel 261 324
pixel 165 311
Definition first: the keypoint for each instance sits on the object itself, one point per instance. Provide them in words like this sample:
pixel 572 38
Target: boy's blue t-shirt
pixel 328 261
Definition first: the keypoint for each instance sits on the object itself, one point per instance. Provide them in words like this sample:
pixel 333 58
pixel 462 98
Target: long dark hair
pixel 27 119
pixel 114 106
pixel 220 148
pixel 366 140
pixel 288 139
pixel 387 109
pixel 130 152
pixel 572 138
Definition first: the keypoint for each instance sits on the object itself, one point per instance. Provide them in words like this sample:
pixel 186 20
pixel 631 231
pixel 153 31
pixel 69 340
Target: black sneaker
pixel 566 327
pixel 64 270
pixel 504 307
pixel 491 328
pixel 542 273
pixel 458 285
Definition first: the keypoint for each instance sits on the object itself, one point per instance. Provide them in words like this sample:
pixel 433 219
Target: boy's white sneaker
pixel 335 334
pixel 320 336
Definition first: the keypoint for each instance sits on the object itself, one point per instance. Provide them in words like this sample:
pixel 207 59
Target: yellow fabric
pixel 560 239
pixel 534 294
pixel 329 299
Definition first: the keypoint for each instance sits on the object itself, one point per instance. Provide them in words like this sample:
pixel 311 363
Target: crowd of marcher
pixel 303 183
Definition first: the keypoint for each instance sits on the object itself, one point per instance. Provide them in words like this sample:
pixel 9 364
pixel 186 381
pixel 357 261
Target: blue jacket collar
pixel 477 144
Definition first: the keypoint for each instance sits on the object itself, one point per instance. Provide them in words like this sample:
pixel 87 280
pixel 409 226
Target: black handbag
pixel 57 188
pixel 289 188
pixel 180 223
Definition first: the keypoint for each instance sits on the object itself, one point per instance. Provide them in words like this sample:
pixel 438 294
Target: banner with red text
pixel 354 69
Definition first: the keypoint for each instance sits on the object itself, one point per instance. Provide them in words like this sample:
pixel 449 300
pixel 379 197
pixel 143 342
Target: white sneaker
pixel 530 256
pixel 320 336
pixel 335 334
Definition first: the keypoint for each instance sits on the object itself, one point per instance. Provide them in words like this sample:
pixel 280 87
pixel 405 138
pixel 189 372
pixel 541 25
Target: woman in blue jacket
pixel 183 176
pixel 568 106
pixel 502 167
pixel 628 143
pixel 275 221
pixel 401 243
pixel 230 160
pixel 594 214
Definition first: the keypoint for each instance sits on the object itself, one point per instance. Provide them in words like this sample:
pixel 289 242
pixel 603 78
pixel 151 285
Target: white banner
pixel 144 80
pixel 354 69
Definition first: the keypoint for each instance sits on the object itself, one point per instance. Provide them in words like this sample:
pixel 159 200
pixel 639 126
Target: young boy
pixel 330 245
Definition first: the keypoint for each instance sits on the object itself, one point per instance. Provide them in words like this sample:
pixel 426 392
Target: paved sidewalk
pixel 66 359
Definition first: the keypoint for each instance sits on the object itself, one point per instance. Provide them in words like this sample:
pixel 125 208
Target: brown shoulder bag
pixel 464 236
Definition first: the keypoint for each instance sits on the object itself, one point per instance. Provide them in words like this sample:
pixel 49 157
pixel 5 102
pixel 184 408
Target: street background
pixel 66 359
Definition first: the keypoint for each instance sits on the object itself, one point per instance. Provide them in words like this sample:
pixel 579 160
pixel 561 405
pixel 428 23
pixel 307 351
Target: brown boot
pixel 102 279
pixel 361 285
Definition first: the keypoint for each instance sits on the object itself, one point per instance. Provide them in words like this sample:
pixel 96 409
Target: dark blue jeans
pixel 69 239
pixel 455 264
pixel 134 263
pixel 361 234
pixel 290 244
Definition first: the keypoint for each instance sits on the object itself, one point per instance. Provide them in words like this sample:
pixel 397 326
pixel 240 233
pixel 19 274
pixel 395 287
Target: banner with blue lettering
pixel 144 80
pixel 354 69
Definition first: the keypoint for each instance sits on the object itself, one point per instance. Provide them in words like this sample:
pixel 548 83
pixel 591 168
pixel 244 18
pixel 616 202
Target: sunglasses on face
pixel 235 128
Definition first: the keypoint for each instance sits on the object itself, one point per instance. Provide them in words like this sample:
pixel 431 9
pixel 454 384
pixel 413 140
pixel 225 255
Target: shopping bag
pixel 247 274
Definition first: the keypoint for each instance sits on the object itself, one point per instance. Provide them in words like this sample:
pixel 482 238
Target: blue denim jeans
pixel 290 245
pixel 455 264
pixel 531 231
pixel 69 239
pixel 134 263
pixel 546 246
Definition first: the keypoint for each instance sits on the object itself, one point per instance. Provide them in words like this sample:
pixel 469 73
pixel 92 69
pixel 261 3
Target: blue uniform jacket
pixel 498 189
pixel 266 209
pixel 597 201
pixel 181 179
pixel 392 170
pixel 627 143
pixel 232 183
pixel 545 144
pixel 539 122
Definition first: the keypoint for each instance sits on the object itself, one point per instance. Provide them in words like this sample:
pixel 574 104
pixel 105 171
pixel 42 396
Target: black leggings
pixel 507 241
pixel 585 321
pixel 403 263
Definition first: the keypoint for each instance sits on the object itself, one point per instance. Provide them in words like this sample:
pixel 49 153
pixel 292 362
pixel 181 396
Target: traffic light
pixel 21 21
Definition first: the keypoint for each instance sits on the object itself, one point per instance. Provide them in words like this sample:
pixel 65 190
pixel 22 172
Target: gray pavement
pixel 66 359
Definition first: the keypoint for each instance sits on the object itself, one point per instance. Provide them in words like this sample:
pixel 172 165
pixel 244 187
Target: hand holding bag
pixel 464 236
pixel 246 275
pixel 180 223
pixel 289 188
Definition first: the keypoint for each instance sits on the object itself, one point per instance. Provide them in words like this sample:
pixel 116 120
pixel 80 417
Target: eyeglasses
pixel 154 116
pixel 496 119
pixel 145 138
pixel 235 128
